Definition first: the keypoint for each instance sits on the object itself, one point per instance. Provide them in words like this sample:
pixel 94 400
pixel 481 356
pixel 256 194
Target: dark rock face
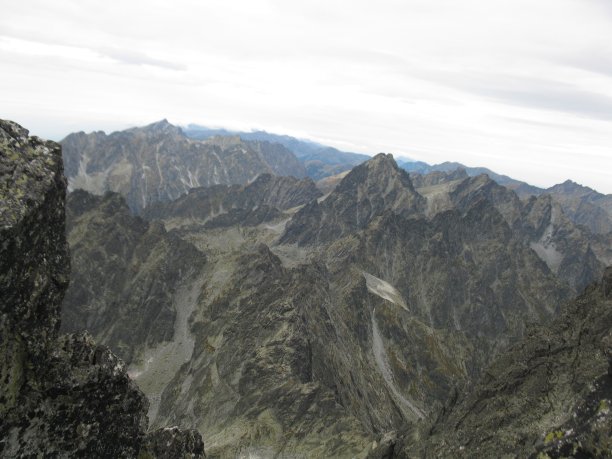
pixel 159 163
pixel 83 404
pixel 463 272
pixel 125 274
pixel 481 187
pixel 257 364
pixel 61 396
pixel 549 394
pixel 570 251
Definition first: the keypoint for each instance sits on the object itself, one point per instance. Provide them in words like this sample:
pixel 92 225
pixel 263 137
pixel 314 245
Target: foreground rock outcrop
pixel 60 396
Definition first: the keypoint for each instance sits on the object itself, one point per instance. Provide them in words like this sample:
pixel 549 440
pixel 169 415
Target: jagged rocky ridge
pixel 159 163
pixel 368 190
pixel 582 205
pixel 60 395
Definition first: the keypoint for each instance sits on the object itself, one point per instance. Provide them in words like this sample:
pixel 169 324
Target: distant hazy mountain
pixel 584 205
pixel 320 160
pixel 159 162
pixel 421 167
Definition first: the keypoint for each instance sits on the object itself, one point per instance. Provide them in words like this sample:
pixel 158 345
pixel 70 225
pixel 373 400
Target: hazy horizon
pixel 523 89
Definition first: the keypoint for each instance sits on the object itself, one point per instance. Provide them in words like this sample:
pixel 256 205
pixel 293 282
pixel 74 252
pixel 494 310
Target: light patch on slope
pixel 384 290
pixel 546 250
pixel 95 183
pixel 438 197
pixel 279 227
pixel 380 356
pixel 163 362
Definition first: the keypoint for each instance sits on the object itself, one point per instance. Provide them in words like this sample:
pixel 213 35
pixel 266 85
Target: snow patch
pixel 279 227
pixel 94 183
pixel 546 250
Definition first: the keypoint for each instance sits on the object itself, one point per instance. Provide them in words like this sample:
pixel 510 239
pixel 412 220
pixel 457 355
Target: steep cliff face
pixel 60 395
pixel 548 396
pixel 159 163
pixel 570 251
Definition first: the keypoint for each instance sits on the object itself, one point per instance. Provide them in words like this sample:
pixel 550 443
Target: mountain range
pixel 160 162
pixel 385 314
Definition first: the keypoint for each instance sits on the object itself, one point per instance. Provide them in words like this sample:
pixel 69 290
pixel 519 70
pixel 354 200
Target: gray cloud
pixel 537 93
pixel 574 101
pixel 130 57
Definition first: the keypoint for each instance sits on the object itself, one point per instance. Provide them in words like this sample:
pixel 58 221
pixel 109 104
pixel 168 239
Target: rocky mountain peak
pixel 378 175
pixel 571 188
pixel 481 187
pixel 382 160
pixel 568 184
pixel 162 127
pixel 369 190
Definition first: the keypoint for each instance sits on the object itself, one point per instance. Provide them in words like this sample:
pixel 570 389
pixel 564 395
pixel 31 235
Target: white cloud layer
pixel 521 87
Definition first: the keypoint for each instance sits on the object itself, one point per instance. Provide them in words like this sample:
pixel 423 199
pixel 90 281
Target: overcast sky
pixel 522 87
